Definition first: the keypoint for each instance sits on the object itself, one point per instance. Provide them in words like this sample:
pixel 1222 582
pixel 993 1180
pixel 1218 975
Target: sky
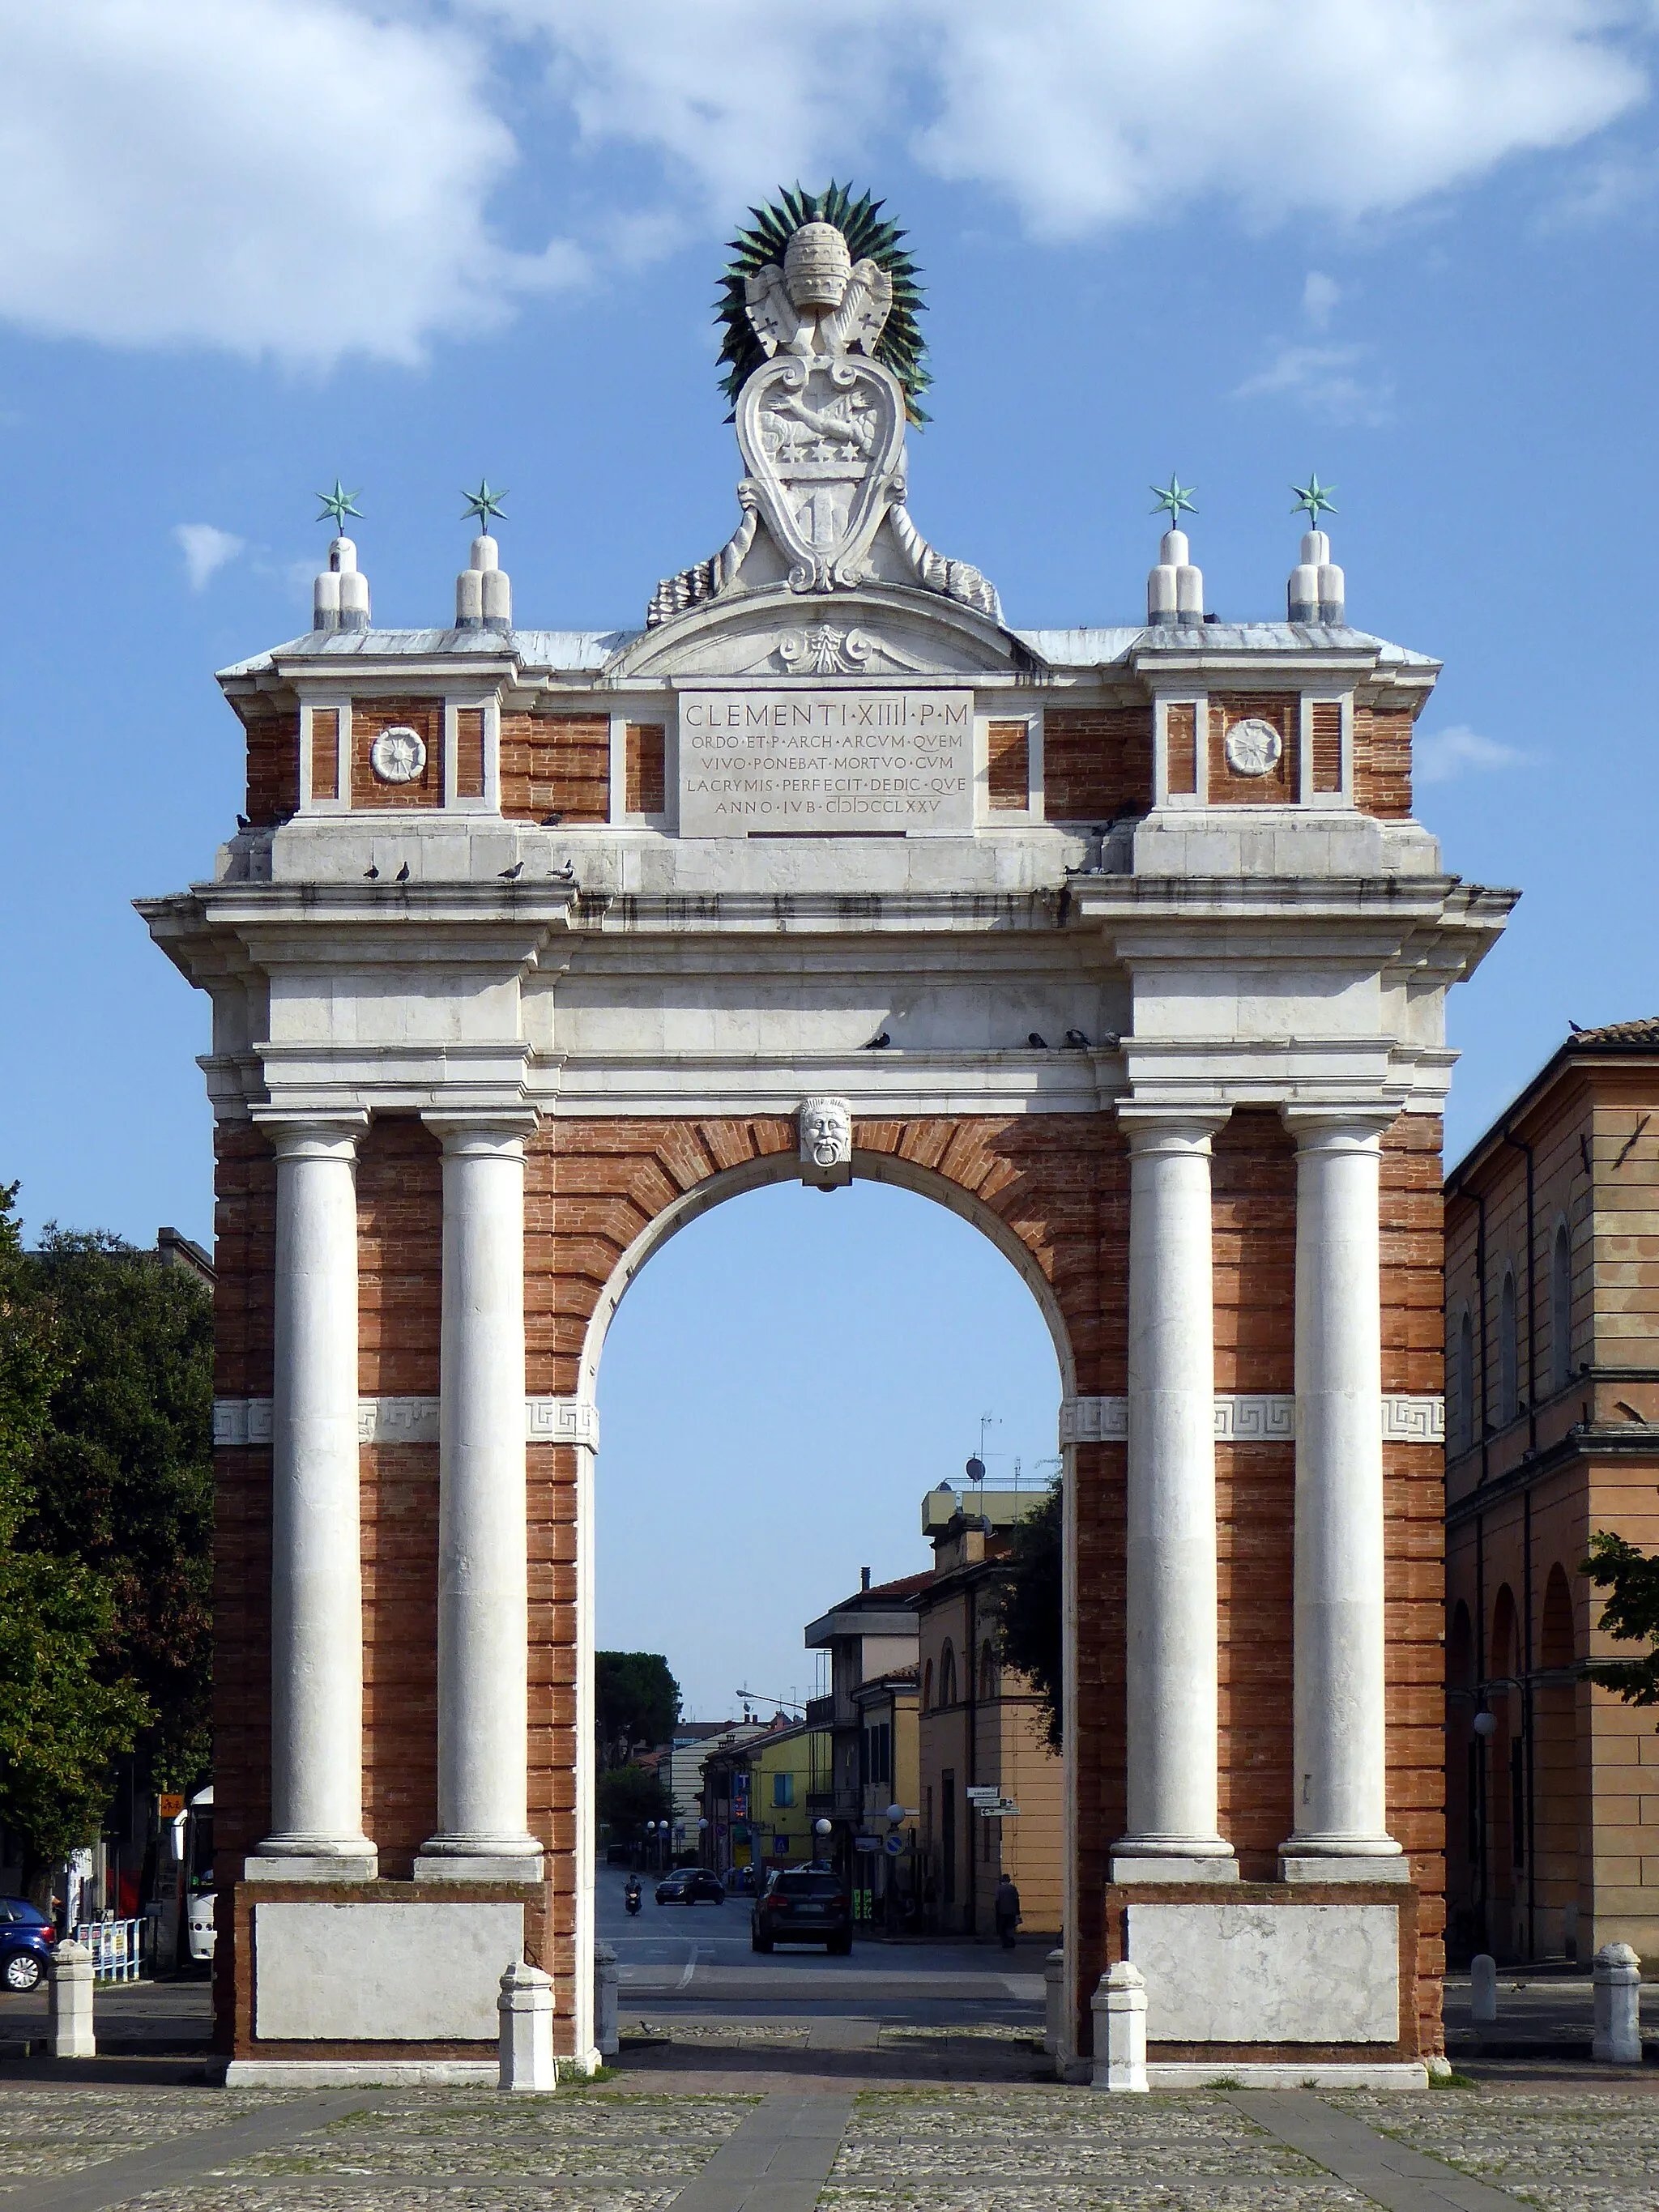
pixel 248 244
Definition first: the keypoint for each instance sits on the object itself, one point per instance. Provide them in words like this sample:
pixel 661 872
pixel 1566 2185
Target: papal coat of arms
pixel 826 364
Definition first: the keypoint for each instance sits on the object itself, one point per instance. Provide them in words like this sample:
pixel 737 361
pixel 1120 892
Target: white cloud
pixel 206 550
pixel 1333 382
pixel 313 177
pixel 1442 755
pixel 1089 114
pixel 1319 297
pixel 283 176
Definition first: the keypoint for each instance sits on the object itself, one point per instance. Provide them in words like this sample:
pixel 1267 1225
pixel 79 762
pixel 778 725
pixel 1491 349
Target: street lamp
pixel 702 1833
pixel 823 1829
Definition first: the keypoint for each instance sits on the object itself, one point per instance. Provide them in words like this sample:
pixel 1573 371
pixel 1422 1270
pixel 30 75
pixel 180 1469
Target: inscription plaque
pixel 818 763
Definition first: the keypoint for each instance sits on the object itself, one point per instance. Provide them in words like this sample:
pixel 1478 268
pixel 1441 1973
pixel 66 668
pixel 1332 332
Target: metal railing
pixel 120 1948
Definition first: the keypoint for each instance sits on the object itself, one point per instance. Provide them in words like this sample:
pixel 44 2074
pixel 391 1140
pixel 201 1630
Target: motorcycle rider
pixel 631 1894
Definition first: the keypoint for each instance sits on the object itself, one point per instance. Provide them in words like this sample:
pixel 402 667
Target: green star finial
pixel 1314 498
pixel 338 504
pixel 1174 500
pixel 483 505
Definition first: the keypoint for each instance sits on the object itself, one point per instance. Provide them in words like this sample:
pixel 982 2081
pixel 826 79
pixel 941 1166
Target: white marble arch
pixel 702 1198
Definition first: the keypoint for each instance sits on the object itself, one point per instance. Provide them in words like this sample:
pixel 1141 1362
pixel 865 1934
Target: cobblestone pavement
pixel 610 2148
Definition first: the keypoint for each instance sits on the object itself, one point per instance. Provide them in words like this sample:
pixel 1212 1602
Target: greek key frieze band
pixel 239 1421
pixel 1253 1418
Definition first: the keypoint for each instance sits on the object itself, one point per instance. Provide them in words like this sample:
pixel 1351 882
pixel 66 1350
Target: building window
pixel 783 1789
pixel 988 1673
pixel 1508 1353
pixel 1463 1383
pixel 948 1838
pixel 1561 1308
pixel 947 1678
pixel 928 1688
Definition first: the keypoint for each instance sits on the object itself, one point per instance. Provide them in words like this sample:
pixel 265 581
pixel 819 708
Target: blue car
pixel 26 1939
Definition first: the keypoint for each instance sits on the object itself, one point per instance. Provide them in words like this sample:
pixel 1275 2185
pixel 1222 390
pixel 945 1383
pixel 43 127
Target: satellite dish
pixel 976 1470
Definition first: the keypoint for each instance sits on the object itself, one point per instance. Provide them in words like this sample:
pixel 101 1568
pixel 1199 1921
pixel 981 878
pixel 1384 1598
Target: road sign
pixel 866 1843
pixel 895 1846
pixel 999 1808
pixel 981 1794
pixel 169 1806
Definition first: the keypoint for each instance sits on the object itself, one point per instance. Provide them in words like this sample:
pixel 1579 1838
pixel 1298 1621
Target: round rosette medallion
pixel 397 755
pixel 1254 747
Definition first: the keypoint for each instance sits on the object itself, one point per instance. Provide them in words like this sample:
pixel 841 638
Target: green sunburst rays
pixel 901 347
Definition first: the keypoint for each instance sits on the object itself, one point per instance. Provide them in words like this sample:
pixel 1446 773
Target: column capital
pixel 1339 1127
pixel 312 1136
pixel 487 1134
pixel 1171 1129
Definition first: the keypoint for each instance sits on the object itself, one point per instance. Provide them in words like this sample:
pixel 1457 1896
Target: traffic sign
pixel 866 1843
pixel 981 1794
pixel 895 1846
pixel 999 1808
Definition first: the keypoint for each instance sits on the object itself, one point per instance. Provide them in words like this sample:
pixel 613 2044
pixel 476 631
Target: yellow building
pixel 755 1799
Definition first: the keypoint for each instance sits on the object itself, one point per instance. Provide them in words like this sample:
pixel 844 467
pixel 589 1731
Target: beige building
pixel 980 1729
pixel 1552 1413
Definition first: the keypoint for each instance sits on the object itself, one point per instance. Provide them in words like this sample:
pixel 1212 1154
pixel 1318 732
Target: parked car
pixel 26 1939
pixel 802 1904
pixel 691 1886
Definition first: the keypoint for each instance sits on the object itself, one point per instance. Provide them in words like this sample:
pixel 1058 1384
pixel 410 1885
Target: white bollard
pixel 1483 1989
pixel 68 2004
pixel 606 1975
pixel 1617 1974
pixel 525 2006
pixel 1053 2003
pixel 1119 2006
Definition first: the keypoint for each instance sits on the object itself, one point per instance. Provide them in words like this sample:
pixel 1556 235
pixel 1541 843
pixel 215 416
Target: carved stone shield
pixel 822 440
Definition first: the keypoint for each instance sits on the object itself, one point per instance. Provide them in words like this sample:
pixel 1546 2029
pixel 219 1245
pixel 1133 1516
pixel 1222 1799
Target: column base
pixel 1299 1863
pixel 479 1858
pixel 309 1859
pixel 1137 1860
pixel 479 1866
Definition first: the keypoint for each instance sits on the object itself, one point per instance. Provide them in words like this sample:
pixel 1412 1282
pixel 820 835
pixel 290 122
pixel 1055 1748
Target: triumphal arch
pixel 1121 941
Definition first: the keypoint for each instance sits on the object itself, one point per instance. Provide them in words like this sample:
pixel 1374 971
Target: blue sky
pixel 245 246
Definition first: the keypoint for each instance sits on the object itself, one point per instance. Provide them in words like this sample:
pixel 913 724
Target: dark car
pixel 26 1939
pixel 691 1886
pixel 802 1904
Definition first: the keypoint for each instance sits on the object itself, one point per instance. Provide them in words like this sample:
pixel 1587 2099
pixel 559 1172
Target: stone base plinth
pixel 1274 1984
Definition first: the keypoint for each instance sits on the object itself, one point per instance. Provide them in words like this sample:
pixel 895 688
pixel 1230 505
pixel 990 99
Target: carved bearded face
pixel 826 1132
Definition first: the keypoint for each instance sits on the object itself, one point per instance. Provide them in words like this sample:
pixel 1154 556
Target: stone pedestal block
pixel 525 2006
pixel 1119 2006
pixel 69 2016
pixel 1617 1974
pixel 606 1976
pixel 1482 1989
pixel 1054 2005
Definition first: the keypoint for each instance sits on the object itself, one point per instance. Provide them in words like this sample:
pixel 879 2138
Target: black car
pixel 803 1904
pixel 691 1886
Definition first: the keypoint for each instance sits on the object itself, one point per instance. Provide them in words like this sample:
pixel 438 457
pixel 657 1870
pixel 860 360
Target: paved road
pixel 697 1958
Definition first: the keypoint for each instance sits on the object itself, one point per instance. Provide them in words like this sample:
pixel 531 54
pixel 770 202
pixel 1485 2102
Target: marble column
pixel 1170 1594
pixel 316 1578
pixel 1341 1777
pixel 483 1601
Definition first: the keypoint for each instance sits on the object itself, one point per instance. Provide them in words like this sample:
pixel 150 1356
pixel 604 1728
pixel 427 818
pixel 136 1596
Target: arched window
pixel 928 1688
pixel 1467 1423
pixel 988 1672
pixel 1561 1308
pixel 1555 1635
pixel 1508 1353
pixel 947 1677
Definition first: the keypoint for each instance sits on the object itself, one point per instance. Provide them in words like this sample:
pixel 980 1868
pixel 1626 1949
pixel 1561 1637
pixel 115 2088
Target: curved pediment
pixel 877 629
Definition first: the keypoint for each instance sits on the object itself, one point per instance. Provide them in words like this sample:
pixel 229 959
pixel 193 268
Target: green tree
pixel 1028 1607
pixel 122 1480
pixel 1631 1578
pixel 63 1717
pixel 629 1796
pixel 636 1701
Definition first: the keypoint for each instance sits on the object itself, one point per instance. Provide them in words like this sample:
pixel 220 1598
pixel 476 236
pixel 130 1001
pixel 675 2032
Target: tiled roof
pixel 1643 1032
